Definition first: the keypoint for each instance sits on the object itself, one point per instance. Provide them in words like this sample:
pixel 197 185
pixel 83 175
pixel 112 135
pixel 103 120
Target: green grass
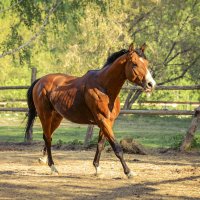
pixel 151 131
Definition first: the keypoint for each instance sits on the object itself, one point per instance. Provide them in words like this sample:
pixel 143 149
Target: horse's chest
pixel 102 105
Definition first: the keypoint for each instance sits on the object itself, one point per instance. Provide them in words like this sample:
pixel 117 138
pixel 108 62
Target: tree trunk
pixel 126 104
pixel 186 144
pixel 131 98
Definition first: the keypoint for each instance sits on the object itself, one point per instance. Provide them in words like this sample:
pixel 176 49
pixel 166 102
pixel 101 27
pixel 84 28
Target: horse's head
pixel 137 69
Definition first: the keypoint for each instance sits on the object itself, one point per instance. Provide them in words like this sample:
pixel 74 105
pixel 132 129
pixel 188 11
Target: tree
pixel 173 27
pixel 76 36
pixel 170 28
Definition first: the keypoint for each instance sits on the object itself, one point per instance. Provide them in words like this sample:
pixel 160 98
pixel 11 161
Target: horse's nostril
pixel 149 85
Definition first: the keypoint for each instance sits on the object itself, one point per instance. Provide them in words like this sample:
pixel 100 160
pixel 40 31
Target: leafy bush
pixel 196 143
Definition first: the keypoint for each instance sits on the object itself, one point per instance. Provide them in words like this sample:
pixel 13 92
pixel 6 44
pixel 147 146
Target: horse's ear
pixel 131 48
pixel 143 47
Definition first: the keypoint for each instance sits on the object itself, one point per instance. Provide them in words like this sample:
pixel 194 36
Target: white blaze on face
pixel 141 59
pixel 149 79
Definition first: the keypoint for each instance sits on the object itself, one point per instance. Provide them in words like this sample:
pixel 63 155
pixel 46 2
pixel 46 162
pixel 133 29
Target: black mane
pixel 114 56
pixel 117 54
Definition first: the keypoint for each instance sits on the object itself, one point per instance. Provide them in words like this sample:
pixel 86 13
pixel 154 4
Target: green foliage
pixel 80 35
pixel 60 143
pixel 175 141
pixel 76 142
pixel 94 141
pixel 196 142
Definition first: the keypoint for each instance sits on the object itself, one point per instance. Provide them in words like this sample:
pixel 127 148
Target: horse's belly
pixel 70 103
pixel 78 115
pixel 77 112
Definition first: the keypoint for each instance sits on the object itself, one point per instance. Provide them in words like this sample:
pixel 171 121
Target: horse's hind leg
pixel 49 124
pixel 100 147
pixel 56 119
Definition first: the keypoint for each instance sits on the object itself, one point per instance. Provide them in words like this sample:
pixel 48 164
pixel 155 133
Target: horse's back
pixel 51 81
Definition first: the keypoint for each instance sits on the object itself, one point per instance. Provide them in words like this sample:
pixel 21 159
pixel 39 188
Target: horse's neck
pixel 113 77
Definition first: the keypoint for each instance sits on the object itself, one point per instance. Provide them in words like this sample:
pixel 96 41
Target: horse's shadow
pixel 144 191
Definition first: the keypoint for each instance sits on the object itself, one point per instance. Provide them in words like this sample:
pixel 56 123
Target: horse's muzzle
pixel 149 86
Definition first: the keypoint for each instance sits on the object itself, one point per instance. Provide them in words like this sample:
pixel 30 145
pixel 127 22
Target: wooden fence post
pixel 186 144
pixel 88 135
pixel 33 74
pixel 28 138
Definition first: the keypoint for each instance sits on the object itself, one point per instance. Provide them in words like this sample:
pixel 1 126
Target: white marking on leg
pixel 98 170
pixel 131 174
pixel 43 160
pixel 54 170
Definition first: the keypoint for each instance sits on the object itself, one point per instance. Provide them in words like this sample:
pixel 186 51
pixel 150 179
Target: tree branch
pixel 141 17
pixel 178 53
pixel 12 6
pixel 179 32
pixel 170 51
pixel 37 34
pixel 182 74
pixel 140 29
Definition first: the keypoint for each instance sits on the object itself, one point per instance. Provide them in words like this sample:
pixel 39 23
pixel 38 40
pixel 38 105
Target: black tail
pixel 31 112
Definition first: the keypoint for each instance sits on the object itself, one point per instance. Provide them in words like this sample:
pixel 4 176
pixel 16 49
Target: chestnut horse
pixel 90 99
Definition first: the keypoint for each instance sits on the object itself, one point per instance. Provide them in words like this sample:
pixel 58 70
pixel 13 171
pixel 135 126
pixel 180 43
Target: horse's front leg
pixel 106 127
pixel 100 147
pixel 119 153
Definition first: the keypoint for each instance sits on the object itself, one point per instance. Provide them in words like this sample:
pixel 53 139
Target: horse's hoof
pixel 42 160
pixel 54 170
pixel 130 175
pixel 98 171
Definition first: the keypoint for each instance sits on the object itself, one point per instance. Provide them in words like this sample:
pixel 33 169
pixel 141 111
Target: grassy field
pixel 151 131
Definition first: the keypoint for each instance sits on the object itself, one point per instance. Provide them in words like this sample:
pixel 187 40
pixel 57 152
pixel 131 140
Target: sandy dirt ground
pixel 159 176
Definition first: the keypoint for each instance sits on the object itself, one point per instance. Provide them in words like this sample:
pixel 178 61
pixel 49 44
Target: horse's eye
pixel 134 65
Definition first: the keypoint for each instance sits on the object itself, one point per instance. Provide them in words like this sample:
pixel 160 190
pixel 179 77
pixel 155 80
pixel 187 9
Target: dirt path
pixel 158 176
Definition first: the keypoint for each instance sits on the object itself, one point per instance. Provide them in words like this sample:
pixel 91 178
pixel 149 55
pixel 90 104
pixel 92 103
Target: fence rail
pixel 145 112
pixel 14 109
pixel 168 102
pixel 159 87
pixel 158 112
pixel 142 112
pixel 165 87
pixel 13 87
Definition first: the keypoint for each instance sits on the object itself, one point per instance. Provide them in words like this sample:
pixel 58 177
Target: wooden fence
pixel 4 109
pixel 28 137
pixel 135 111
